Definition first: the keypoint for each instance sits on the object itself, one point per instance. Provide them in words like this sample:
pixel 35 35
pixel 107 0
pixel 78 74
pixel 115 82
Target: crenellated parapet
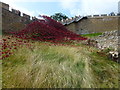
pixel 17 12
pixel 12 19
pixel 26 16
pixel 14 11
pixel 5 6
pixel 71 20
pixel 78 18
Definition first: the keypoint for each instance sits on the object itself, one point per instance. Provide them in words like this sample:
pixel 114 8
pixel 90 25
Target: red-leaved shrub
pixel 47 30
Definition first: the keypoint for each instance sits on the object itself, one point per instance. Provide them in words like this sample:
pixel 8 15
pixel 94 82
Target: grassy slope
pixel 92 35
pixel 46 66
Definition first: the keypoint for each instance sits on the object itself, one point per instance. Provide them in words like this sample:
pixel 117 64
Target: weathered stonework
pixel 94 24
pixel 12 20
pixel 108 40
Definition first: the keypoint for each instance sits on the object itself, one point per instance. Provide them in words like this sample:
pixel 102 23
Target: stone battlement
pixel 14 20
pixel 14 11
pixel 77 18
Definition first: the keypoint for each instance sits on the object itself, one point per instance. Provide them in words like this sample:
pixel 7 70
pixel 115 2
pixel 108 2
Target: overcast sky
pixel 68 7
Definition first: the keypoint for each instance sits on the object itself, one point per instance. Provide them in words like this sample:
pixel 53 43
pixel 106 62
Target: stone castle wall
pixel 13 20
pixel 94 24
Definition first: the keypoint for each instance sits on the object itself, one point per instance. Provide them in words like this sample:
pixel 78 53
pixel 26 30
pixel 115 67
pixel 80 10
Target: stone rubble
pixel 109 40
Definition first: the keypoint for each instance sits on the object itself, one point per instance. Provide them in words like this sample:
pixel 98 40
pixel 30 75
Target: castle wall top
pixel 77 18
pixel 5 6
pixel 14 11
pixel 26 16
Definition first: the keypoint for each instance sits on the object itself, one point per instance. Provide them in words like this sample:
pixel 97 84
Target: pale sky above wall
pixel 68 7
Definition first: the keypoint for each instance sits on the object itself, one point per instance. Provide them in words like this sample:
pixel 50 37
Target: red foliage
pixel 41 30
pixel 8 48
pixel 47 30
